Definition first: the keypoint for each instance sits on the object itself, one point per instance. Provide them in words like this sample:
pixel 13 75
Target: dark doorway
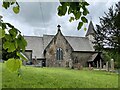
pixel 44 63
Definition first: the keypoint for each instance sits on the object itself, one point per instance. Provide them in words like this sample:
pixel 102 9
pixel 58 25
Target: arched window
pixel 59 54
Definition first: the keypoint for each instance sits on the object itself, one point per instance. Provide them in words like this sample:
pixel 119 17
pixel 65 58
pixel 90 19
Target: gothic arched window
pixel 59 54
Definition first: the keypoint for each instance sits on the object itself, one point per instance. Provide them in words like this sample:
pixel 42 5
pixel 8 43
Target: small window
pixel 59 54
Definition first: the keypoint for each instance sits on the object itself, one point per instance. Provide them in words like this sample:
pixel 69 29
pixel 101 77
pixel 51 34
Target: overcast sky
pixel 38 18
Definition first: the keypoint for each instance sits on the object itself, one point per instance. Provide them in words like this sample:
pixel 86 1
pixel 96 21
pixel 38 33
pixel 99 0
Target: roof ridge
pixel 66 36
pixel 34 36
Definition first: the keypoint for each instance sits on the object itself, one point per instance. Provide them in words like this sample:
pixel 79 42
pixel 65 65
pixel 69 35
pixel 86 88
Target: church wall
pixel 81 58
pixel 58 42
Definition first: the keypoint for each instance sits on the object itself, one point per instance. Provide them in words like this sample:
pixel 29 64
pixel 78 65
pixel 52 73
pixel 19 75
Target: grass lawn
pixel 33 77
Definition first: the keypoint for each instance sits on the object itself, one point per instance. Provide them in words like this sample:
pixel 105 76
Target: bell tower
pixel 90 32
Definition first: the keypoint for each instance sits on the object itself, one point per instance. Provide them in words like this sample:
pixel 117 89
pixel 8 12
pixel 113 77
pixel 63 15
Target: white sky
pixel 38 18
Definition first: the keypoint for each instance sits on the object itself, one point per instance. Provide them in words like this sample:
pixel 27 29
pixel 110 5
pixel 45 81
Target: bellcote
pixel 58 27
pixel 91 30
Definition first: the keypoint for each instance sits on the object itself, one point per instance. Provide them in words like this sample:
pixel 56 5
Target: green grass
pixel 33 77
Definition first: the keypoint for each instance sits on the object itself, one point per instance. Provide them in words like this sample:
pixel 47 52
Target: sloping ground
pixel 33 77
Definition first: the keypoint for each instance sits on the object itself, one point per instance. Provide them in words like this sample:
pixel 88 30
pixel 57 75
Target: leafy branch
pixel 78 11
pixel 13 43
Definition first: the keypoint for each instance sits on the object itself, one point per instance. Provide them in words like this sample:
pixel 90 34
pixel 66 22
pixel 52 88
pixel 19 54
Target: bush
pixel 108 55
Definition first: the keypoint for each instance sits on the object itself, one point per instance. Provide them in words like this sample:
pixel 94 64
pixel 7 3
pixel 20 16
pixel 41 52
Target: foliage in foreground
pixel 13 43
pixel 33 77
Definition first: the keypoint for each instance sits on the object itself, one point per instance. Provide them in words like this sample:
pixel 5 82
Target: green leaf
pixel 77 16
pixel 22 43
pixel 71 19
pixel 2 33
pixel 6 4
pixel 16 9
pixel 6 45
pixel 84 19
pixel 59 10
pixel 74 5
pixel 16 44
pixel 8 37
pixel 22 56
pixel 4 26
pixel 80 25
pixel 13 32
pixel 62 10
pixel 86 4
pixel 13 64
pixel 12 47
pixel 85 12
pixel 85 29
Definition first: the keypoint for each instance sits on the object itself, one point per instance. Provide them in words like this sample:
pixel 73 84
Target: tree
pixel 108 32
pixel 13 43
pixel 107 38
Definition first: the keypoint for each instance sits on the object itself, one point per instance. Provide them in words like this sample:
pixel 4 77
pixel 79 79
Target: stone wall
pixel 58 41
pixel 80 58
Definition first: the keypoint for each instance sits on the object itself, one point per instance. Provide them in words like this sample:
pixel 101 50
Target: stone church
pixel 63 51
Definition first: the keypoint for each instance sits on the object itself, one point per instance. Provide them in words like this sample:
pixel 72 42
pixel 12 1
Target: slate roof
pixel 80 43
pixel 47 39
pixel 38 44
pixel 92 58
pixel 91 30
pixel 77 43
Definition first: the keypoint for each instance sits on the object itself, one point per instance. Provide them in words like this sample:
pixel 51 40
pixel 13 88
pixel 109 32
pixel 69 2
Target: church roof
pixel 36 45
pixel 92 58
pixel 80 43
pixel 91 29
pixel 77 43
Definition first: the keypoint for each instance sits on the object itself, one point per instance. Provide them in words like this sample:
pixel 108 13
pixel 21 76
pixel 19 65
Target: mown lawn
pixel 33 77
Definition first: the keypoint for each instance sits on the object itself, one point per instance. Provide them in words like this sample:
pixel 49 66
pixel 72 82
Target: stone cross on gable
pixel 58 27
